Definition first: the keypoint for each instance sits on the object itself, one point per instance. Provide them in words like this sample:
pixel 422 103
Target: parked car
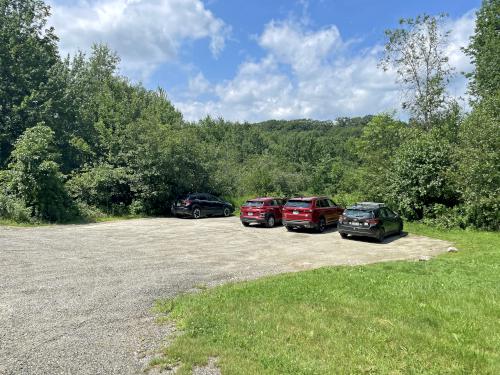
pixel 311 212
pixel 267 211
pixel 197 205
pixel 369 219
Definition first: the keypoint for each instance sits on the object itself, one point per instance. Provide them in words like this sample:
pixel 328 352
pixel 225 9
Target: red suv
pixel 267 211
pixel 311 212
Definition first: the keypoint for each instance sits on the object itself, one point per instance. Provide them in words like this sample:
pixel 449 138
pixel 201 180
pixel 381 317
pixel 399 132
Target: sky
pixel 254 60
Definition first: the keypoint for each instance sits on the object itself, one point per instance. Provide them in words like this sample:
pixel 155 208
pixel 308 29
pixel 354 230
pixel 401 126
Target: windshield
pixel 254 204
pixel 360 214
pixel 301 204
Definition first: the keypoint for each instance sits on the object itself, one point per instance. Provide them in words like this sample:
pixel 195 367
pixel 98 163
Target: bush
pixel 14 209
pixel 420 176
pixel 443 217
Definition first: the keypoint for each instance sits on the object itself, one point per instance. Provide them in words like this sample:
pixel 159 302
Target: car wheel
pixel 321 225
pixel 245 224
pixel 270 222
pixel 290 229
pixel 196 213
pixel 343 235
pixel 381 235
pixel 227 212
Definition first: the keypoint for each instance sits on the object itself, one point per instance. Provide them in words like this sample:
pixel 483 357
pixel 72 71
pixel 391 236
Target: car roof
pixel 366 207
pixel 262 199
pixel 306 198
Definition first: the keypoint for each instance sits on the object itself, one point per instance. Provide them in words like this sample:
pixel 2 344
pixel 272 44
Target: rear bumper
pixel 358 231
pixel 250 220
pixel 181 211
pixel 299 224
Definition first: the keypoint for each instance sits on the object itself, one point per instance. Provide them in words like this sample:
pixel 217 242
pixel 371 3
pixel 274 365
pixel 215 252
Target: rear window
pixel 254 203
pixel 360 214
pixel 302 204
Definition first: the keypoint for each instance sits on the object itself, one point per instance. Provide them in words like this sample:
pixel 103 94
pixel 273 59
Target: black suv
pixel 197 205
pixel 369 219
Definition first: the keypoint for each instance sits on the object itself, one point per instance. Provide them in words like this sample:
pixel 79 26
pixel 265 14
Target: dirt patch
pixel 77 298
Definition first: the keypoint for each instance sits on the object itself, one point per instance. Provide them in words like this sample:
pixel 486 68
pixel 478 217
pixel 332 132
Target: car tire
pixel 196 212
pixel 343 235
pixel 245 224
pixel 270 221
pixel 226 212
pixel 381 235
pixel 321 225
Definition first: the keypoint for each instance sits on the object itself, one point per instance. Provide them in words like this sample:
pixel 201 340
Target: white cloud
pixel 312 74
pixel 145 33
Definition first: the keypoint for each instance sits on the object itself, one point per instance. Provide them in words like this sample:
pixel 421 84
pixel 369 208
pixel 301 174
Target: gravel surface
pixel 76 299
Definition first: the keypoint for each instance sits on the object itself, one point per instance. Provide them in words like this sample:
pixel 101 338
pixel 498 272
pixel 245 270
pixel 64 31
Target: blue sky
pixel 256 60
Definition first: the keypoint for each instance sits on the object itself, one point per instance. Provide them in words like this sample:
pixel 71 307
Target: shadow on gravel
pixel 387 240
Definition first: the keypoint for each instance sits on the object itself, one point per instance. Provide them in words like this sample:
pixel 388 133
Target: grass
pixel 100 219
pixel 436 317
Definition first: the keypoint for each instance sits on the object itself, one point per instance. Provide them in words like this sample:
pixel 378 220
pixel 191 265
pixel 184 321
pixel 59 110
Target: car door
pixel 392 219
pixel 216 205
pixel 204 204
pixel 275 209
pixel 335 211
pixel 387 221
pixel 279 209
pixel 324 210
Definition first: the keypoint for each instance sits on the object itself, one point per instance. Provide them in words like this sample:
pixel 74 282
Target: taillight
pixel 186 202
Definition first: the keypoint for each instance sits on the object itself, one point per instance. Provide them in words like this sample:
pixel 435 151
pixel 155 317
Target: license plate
pixel 250 214
pixel 355 223
pixel 295 212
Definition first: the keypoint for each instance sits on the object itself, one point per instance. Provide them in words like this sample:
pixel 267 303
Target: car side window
pixel 320 203
pixel 274 203
pixel 332 203
pixel 390 213
pixel 383 213
pixel 202 197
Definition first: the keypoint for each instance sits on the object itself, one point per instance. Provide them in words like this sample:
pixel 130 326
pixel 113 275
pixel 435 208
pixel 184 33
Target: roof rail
pixel 370 204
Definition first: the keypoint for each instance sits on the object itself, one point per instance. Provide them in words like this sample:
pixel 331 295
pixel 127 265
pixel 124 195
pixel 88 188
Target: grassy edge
pixel 457 237
pixel 103 219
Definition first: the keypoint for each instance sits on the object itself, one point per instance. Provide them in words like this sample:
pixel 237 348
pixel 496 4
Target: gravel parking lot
pixel 76 299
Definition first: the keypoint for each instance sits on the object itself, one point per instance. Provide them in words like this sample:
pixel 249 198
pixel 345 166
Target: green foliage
pixel 484 51
pixel 478 165
pixel 416 51
pixel 35 177
pixel 119 149
pixel 420 174
pixel 28 57
pixel 102 186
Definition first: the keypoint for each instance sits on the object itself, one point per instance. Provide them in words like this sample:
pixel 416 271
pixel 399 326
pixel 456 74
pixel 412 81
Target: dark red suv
pixel 267 211
pixel 311 212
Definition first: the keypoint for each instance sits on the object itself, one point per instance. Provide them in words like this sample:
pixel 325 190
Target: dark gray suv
pixel 369 219
pixel 197 205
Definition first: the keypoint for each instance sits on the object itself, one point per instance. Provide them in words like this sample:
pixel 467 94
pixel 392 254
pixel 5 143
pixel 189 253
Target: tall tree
pixel 484 51
pixel 416 51
pixel 28 55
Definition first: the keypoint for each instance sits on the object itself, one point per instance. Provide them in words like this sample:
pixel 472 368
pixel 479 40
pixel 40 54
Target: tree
pixel 416 52
pixel 35 175
pixel 376 147
pixel 28 54
pixel 478 165
pixel 420 176
pixel 484 51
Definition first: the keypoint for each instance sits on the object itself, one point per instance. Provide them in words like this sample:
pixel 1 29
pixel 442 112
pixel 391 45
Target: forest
pixel 78 141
